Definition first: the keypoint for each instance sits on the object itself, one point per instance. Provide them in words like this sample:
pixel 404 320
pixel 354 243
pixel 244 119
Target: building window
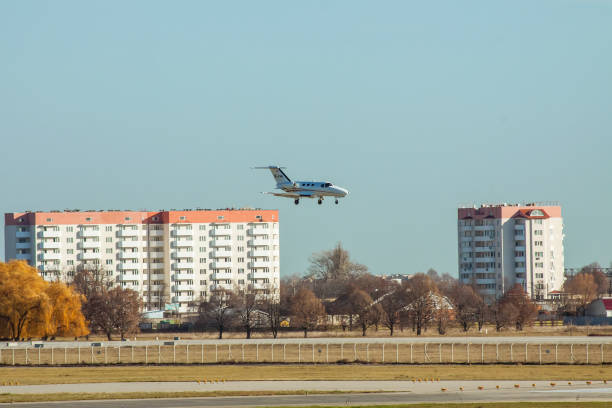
pixel 182 218
pixel 202 227
pixel 220 217
pixel 69 240
pixel 127 218
pixel 109 261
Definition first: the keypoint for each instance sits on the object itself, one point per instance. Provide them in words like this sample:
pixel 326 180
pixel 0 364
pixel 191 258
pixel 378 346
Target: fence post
pixel 284 355
pixel 39 356
pixel 354 351
pixel 327 353
pixel 482 353
pixel 91 348
pixel 368 352
pixel 53 348
pixel 187 354
pixel 229 352
pixel 396 353
pixel 572 353
pixel 526 344
pixel 272 351
pixel 556 353
pixel 202 353
pixel 587 353
pixel 468 353
pixel 383 353
pixel 14 357
pixel 540 352
pixel 511 356
pixel 440 352
pixel 216 353
pixel 119 355
pixel 257 352
pixel 65 356
pixel 411 353
pixel 146 354
pixel 26 355
pixel 132 359
pixel 174 354
pixel 299 352
pixel 452 353
pixel 313 348
pixel 158 354
pixel 602 354
pixel 105 354
pixel 79 355
pixel 496 352
pixel 242 351
pixel 341 351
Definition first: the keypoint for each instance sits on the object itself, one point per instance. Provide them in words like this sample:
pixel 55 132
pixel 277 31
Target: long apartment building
pixel 505 244
pixel 169 257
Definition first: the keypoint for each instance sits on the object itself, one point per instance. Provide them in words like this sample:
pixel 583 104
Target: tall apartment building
pixel 169 257
pixel 502 245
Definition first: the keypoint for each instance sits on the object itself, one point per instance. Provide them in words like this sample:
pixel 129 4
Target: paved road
pixel 332 340
pixel 407 392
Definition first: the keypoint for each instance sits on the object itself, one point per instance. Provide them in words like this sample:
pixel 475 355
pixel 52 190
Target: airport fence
pixel 309 351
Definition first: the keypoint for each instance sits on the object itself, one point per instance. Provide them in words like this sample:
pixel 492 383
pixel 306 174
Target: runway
pixel 404 392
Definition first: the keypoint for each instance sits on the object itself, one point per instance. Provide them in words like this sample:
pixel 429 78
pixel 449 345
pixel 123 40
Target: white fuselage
pixel 313 189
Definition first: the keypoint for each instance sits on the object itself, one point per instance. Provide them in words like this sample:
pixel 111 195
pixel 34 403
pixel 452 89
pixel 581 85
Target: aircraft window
pixel 322 185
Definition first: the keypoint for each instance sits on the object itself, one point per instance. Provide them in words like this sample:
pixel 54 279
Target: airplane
pixel 307 189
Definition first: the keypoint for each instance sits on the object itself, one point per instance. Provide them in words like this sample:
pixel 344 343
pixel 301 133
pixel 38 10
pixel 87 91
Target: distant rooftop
pixel 528 204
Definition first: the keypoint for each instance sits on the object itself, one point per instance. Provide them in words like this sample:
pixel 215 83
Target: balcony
pixel 256 253
pixel 519 227
pixel 260 264
pixel 22 234
pixel 154 244
pixel 220 243
pixel 221 253
pixel 88 232
pixel 129 244
pixel 152 287
pixel 25 245
pixel 88 244
pixel 50 255
pixel 221 265
pixel 222 276
pixel 182 288
pixel 182 244
pixel 258 231
pixel 127 233
pixel 259 286
pixel 48 233
pixel 519 237
pixel 182 233
pixel 519 269
pixel 259 275
pixel 484 238
pixel 220 232
pixel 183 254
pixel 519 258
pixel 155 265
pixel 183 276
pixel 259 242
pixel 178 299
pixel 484 228
pixel 182 265
pixel 484 259
pixel 519 248
pixel 47 245
pixel 156 233
pixel 89 255
pixel 128 278
pixel 129 265
pixel 127 255
pixel 222 286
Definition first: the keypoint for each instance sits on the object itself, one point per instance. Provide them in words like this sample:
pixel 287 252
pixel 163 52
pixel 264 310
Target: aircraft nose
pixel 344 190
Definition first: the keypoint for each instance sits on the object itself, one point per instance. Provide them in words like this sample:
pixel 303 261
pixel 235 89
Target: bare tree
pixel 361 305
pixel 125 306
pixel 306 310
pixel 329 271
pixel 247 307
pixel 465 302
pixel 391 305
pixel 218 310
pixel 582 290
pixel 420 293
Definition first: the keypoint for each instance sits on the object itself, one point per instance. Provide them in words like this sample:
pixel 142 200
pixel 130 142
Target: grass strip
pixel 95 374
pixel 574 404
pixel 67 396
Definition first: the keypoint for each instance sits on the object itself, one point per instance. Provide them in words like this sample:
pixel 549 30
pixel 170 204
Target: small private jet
pixel 307 189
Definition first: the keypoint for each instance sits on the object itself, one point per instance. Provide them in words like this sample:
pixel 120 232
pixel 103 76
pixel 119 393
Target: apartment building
pixel 501 245
pixel 169 257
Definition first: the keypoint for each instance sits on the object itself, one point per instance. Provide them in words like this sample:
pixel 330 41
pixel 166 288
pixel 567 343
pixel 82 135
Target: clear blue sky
pixel 415 107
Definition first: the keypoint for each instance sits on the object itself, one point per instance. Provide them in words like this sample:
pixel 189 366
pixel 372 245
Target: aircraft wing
pixel 296 194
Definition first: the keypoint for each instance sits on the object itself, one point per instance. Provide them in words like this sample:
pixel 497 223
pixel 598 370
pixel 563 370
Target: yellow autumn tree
pixel 32 307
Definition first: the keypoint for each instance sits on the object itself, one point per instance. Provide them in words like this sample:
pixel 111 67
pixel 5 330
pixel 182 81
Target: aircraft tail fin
pixel 279 175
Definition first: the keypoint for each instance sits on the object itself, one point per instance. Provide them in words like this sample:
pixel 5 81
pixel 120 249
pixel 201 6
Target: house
pixel 600 308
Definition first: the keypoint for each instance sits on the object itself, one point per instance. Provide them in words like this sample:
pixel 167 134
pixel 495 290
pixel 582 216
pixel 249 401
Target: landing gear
pixel 320 201
pixel 336 201
pixel 297 201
